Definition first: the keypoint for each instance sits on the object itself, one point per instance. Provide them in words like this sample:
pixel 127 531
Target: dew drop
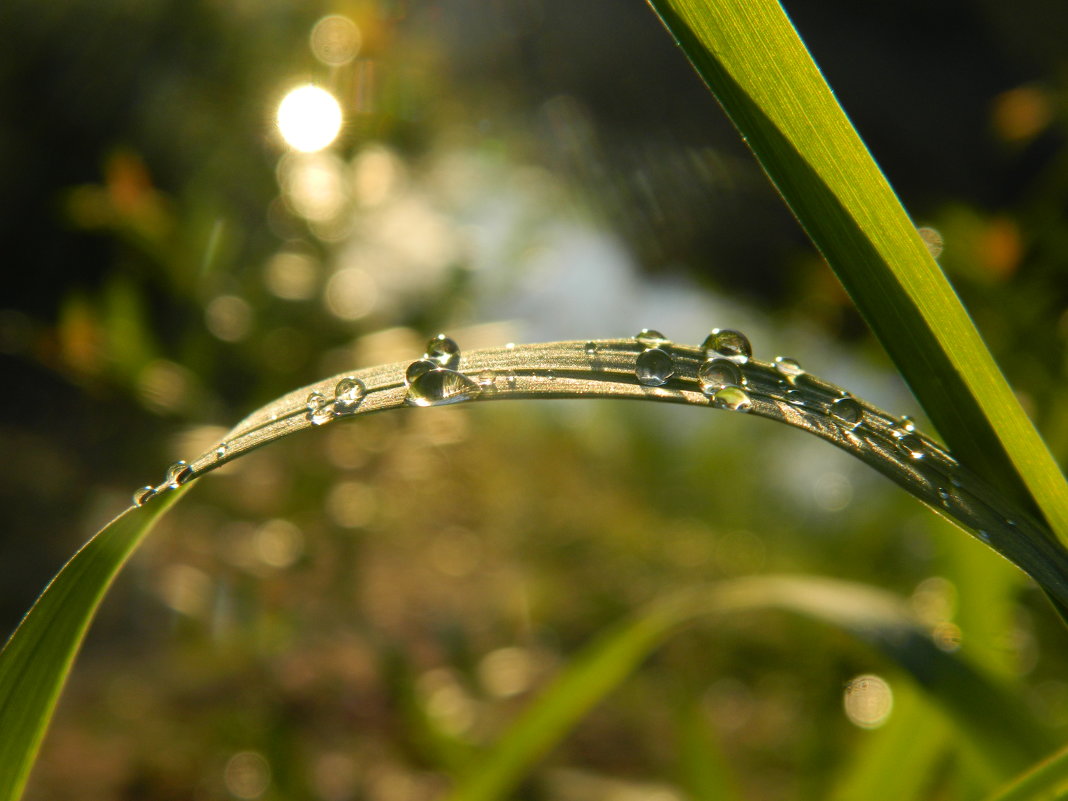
pixel 944 496
pixel 906 424
pixel 143 495
pixel 418 368
pixel 734 399
pixel 177 474
pixel 788 368
pixel 441 387
pixel 718 373
pixel 912 447
pixel 487 379
pixel 221 450
pixel 591 348
pixel 317 411
pixel 651 338
pixel 443 351
pixel 348 394
pixel 654 367
pixel 727 343
pixel 847 412
pixel 510 379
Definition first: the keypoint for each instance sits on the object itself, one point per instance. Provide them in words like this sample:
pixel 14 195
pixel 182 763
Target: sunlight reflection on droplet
pixel 335 40
pixel 868 701
pixel 309 118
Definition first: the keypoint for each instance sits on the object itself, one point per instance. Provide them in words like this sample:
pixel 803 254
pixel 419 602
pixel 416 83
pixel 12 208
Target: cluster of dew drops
pixel 435 380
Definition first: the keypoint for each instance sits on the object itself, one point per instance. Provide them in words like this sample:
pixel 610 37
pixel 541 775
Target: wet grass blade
pixel 1043 781
pixel 1005 735
pixel 749 54
pixel 36 660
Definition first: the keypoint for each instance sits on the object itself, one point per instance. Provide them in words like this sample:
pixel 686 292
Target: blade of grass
pixel 1005 735
pixel 1043 781
pixel 703 769
pixel 752 59
pixel 36 660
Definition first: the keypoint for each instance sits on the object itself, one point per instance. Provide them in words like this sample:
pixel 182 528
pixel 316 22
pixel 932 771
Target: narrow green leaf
pixel 1007 737
pixel 1041 782
pixel 751 57
pixel 704 772
pixel 36 660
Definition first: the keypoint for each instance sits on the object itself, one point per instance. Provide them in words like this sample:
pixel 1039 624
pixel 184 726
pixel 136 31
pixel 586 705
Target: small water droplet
pixel 317 411
pixel 177 474
pixel 728 344
pixel 591 348
pixel 944 496
pixel 487 379
pixel 443 351
pixel 418 368
pixel 221 450
pixel 718 373
pixel 509 379
pixel 348 394
pixel 734 399
pixel 440 387
pixel 912 447
pixel 847 412
pixel 651 338
pixel 143 495
pixel 654 367
pixel 509 346
pixel 906 424
pixel 788 368
pixel 983 534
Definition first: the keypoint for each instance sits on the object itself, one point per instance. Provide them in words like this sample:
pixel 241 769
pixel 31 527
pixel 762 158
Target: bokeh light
pixel 335 40
pixel 309 118
pixel 868 701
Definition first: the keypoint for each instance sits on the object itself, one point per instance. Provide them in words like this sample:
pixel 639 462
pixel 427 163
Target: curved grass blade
pixel 37 658
pixel 997 727
pixel 752 59
pixel 609 368
pixel 1046 780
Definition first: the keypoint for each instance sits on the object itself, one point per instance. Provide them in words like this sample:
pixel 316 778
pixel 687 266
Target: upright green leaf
pixel 751 57
pixel 36 660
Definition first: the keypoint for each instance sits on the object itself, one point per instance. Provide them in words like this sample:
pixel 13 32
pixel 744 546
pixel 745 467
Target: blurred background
pixel 345 615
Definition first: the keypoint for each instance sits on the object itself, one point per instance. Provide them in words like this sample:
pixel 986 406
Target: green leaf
pixel 1041 782
pixel 997 727
pixel 36 660
pixel 752 59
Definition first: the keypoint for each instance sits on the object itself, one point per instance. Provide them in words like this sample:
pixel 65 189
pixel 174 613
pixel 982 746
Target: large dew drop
pixel 440 387
pixel 318 412
pixel 418 368
pixel 912 446
pixel 654 367
pixel 847 412
pixel 734 399
pixel 347 395
pixel 715 374
pixel 726 343
pixel 788 368
pixel 651 338
pixel 143 496
pixel 443 351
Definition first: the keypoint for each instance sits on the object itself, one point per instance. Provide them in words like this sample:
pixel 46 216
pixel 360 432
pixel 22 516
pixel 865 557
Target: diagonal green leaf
pixel 1041 782
pixel 751 57
pixel 36 660
pixel 1007 738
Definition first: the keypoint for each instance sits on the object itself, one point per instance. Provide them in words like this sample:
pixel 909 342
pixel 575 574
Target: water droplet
pixel 651 338
pixel 509 378
pixel 143 495
pixel 788 368
pixel 734 399
pixel 944 496
pixel 906 424
pixel 221 450
pixel 718 373
pixel 443 351
pixel 591 348
pixel 847 412
pixel 509 346
pixel 418 368
pixel 317 411
pixel 487 379
pixel 347 395
pixel 983 534
pixel 177 474
pixel 796 397
pixel 440 387
pixel 654 367
pixel 912 446
pixel 728 344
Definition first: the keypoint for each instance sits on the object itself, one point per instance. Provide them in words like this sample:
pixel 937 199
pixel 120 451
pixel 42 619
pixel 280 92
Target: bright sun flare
pixel 309 118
